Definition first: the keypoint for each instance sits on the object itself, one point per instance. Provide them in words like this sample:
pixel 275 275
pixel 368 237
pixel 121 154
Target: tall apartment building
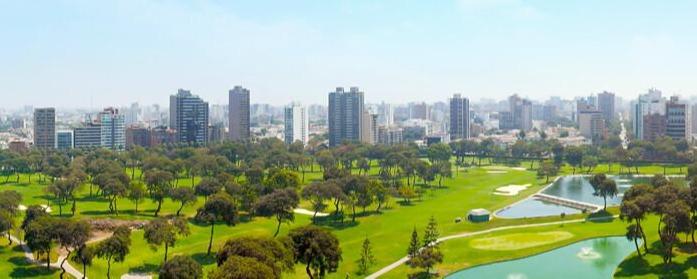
pixel 45 128
pixel 521 111
pixel 188 115
pixel 654 126
pixel 459 117
pixel 238 113
pixel 592 125
pixel 385 114
pixel 113 130
pixel 345 115
pixel 693 118
pixel 646 104
pixel 296 124
pixel 677 120
pixel 137 136
pixel 389 136
pixel 419 111
pixel 369 128
pixel 606 105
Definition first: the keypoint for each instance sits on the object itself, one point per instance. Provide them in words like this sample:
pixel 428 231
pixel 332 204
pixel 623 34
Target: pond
pixel 592 258
pixel 534 208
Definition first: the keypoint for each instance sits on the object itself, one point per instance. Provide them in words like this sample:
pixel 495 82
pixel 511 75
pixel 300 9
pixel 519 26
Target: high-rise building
pixel 649 103
pixel 238 113
pixel 389 136
pixel 419 111
pixel 654 126
pixel 296 124
pixel 521 111
pixel 693 118
pixel 369 128
pixel 64 140
pixel 549 113
pixel 188 115
pixel 216 133
pixel 44 128
pixel 677 120
pixel 132 114
pixel 88 136
pixel 113 132
pixel 345 115
pixel 592 125
pixel 606 105
pixel 385 114
pixel 459 117
pixel 137 136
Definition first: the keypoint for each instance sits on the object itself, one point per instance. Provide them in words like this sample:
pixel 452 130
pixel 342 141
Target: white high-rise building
pixel 650 103
pixel 113 132
pixel 385 114
pixel 296 124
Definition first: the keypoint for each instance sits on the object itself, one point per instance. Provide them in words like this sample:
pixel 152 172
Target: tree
pixel 114 183
pixel 158 182
pixel 431 233
pixel 546 170
pixel 70 235
pixel 381 193
pixel 207 187
pixel 317 248
pixel 115 248
pixel 574 156
pixel 634 234
pixel 219 207
pixel 318 193
pixel 427 258
pixel 40 234
pixel 414 244
pixel 165 231
pixel 7 223
pixel 266 250
pixel 407 193
pixel 184 195
pixel 439 153
pixel 367 258
pixel 237 267
pixel 281 179
pixel 637 203
pixel 181 267
pixel 84 256
pixel 607 189
pixel 136 193
pixel 280 203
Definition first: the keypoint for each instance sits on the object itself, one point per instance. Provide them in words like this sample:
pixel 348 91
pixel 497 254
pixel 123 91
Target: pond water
pixel 534 208
pixel 593 258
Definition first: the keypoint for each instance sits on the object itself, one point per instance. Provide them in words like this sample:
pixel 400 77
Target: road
pixel 30 258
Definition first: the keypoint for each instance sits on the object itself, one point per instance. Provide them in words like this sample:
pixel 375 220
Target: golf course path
pixel 30 258
pixel 403 260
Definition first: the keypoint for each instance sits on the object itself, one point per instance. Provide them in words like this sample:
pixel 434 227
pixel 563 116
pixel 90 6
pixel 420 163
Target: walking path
pixel 30 258
pixel 403 260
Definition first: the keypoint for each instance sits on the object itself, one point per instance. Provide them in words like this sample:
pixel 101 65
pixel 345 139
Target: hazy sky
pixel 97 53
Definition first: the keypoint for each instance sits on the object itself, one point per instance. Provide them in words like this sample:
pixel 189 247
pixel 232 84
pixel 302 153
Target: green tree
pixel 84 256
pixel 414 244
pixel 181 267
pixel 70 235
pixel 237 267
pixel 136 193
pixel 184 195
pixel 159 184
pixel 367 258
pixel 115 248
pixel 431 233
pixel 317 248
pixel 266 250
pixel 280 204
pixel 219 207
pixel 207 187
pixel 165 231
pixel 318 193
pixel 427 258
pixel 607 189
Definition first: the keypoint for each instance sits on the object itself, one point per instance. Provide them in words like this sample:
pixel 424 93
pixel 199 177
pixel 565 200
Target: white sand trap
pixel 309 213
pixel 519 168
pixel 496 172
pixel 47 208
pixel 495 167
pixel 22 207
pixel 510 190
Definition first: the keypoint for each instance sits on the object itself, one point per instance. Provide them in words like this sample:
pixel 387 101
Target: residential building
pixel 345 115
pixel 693 118
pixel 654 126
pixel 419 111
pixel 389 135
pixel 521 110
pixel 163 135
pixel 239 114
pixel 64 140
pixel 113 132
pixel 649 103
pixel 188 115
pixel 606 105
pixel 296 124
pixel 137 136
pixel 18 146
pixel 677 120
pixel 592 125
pixel 45 128
pixel 506 121
pixel 549 113
pixel 216 133
pixel 459 117
pixel 385 114
pixel 369 128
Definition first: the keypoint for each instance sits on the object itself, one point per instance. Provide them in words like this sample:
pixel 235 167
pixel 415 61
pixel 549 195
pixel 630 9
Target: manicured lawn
pixel 517 241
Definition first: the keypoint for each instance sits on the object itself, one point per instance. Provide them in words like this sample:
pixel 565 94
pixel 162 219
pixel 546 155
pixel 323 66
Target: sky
pixel 85 53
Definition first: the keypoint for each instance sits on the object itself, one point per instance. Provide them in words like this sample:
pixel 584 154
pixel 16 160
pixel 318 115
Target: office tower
pixel 113 133
pixel 649 103
pixel 389 136
pixel 506 121
pixel 693 118
pixel 677 116
pixel 137 136
pixel 44 127
pixel 296 124
pixel 606 105
pixel 188 115
pixel 592 125
pixel 419 111
pixel 385 114
pixel 459 117
pixel 64 140
pixel 654 126
pixel 132 114
pixel 238 113
pixel 549 113
pixel 369 126
pixel 88 136
pixel 216 133
pixel 345 115
pixel 521 112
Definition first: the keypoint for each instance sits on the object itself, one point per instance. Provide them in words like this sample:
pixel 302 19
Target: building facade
pixel 654 126
pixel 113 130
pixel 45 128
pixel 64 140
pixel 677 120
pixel 296 124
pixel 88 136
pixel 459 117
pixel 188 115
pixel 606 105
pixel 345 115
pixel 239 113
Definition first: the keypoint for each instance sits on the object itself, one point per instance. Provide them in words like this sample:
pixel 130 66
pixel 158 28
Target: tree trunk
pixel 636 244
pixel 278 227
pixel 48 259
pixel 108 269
pixel 309 272
pixel 180 209
pixel 63 262
pixel 84 270
pixel 159 206
pixel 210 241
pixel 166 249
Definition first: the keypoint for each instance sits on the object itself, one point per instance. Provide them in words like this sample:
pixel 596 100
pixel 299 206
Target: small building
pixel 478 215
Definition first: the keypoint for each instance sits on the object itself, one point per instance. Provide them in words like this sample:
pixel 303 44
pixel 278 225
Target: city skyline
pixel 99 54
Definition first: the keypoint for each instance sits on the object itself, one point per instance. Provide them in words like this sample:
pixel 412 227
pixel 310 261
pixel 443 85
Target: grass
pixel 388 230
pixel 516 241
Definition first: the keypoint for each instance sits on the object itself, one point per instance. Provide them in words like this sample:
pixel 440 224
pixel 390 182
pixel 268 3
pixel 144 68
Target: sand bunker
pixel 45 207
pixel 519 168
pixel 309 213
pixel 510 190
pixel 496 172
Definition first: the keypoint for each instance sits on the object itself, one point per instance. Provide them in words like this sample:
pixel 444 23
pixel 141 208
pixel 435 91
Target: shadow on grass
pixel 145 268
pixel 204 259
pixel 34 271
pixel 19 261
pixel 639 266
pixel 601 216
pixel 422 275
